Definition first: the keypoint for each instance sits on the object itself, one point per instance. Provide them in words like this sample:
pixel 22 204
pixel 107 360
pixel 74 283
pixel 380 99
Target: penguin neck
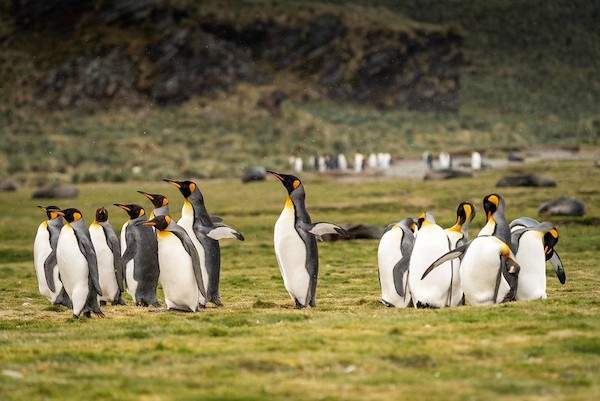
pixel 195 209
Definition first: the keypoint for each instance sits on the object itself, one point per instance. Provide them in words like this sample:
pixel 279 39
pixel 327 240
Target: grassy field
pixel 257 347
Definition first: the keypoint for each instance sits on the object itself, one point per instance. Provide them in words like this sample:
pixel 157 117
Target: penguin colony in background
pixel 420 264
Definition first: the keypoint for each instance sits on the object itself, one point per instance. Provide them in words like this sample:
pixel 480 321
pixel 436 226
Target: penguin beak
pixel 146 223
pixel 122 206
pixel 279 177
pixel 147 195
pixel 172 182
pixel 512 266
pixel 60 213
pixel 42 207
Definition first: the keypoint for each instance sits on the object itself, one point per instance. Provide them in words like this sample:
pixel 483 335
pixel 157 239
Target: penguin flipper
pixel 87 249
pixel 114 244
pixel 220 231
pixel 453 254
pixel 558 267
pixel 49 264
pixel 189 247
pixel 398 272
pixel 322 228
pixel 130 245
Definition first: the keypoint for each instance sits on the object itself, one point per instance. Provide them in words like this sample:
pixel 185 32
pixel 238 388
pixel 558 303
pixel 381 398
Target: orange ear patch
pixel 296 183
pixel 192 187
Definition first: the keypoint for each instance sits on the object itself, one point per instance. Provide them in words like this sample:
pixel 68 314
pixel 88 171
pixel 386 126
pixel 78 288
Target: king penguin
pixel 77 264
pixel 180 272
pixel 160 203
pixel 205 234
pixel 458 235
pixel 44 258
pixel 483 261
pixel 431 243
pixel 551 254
pixel 110 264
pixel 532 245
pixel 140 256
pixel 295 240
pixel 393 258
pixel 496 225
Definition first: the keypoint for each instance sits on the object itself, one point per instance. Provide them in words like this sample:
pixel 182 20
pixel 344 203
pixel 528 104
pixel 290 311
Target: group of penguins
pixel 84 267
pixel 424 265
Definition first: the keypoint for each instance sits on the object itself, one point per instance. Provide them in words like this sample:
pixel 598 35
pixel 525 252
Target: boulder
pixel 562 206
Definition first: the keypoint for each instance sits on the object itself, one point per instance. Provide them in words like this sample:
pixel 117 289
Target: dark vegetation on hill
pixel 92 89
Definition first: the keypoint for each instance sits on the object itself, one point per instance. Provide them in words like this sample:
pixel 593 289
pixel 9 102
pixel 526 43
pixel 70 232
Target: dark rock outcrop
pixel 446 174
pixel 7 186
pixel 254 173
pixel 131 52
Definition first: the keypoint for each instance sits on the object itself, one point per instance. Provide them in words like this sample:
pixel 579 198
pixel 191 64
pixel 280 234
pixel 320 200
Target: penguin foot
pixel 99 313
pixel 87 314
pixel 217 302
pixel 424 306
pixel 386 303
pixel 299 305
pixel 102 303
pixel 75 316
pixel 156 304
pixel 119 301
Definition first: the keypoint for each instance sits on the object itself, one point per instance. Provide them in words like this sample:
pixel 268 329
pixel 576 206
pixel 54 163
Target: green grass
pixel 259 347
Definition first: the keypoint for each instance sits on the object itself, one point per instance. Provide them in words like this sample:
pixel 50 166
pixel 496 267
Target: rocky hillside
pixel 87 55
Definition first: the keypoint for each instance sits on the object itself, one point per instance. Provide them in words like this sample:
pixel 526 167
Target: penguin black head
pixel 160 222
pixel 156 199
pixel 550 240
pixel 134 211
pixel 491 203
pixel 464 212
pixel 290 182
pixel 186 188
pixel 71 214
pixel 50 211
pixel 101 215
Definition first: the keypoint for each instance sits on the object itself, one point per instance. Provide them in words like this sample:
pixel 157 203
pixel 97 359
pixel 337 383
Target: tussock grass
pixel 350 347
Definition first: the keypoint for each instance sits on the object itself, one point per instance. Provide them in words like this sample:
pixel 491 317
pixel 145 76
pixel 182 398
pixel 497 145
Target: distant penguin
pixel 549 242
pixel 180 272
pixel 496 225
pixel 342 162
pixel 77 264
pixel 431 242
pixel 140 256
pixel 44 258
pixel 295 241
pixel 205 234
pixel 476 162
pixel 359 160
pixel 481 269
pixel 160 203
pixel 393 258
pixel 108 253
pixel 458 235
pixel 372 161
pixel 445 161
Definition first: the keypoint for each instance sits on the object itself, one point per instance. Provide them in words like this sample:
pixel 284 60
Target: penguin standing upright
pixel 140 256
pixel 160 203
pixel 532 245
pixel 205 234
pixel 180 272
pixel 393 258
pixel 496 225
pixel 77 264
pixel 549 242
pixel 481 269
pixel 295 243
pixel 431 242
pixel 458 235
pixel 110 264
pixel 44 258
